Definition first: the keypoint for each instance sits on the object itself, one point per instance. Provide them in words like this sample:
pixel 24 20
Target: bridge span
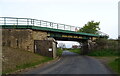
pixel 38 35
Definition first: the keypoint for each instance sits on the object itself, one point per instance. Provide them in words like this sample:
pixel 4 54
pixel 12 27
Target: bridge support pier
pixel 87 46
pixel 84 47
pixel 46 47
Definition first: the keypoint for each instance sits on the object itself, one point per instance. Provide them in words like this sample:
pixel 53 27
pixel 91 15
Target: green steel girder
pixel 62 35
pixel 53 32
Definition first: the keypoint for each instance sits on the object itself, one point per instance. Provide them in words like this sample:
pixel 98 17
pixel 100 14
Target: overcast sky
pixel 71 12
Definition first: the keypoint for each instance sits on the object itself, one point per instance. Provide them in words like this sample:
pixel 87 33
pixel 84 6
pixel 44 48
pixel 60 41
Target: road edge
pixel 105 64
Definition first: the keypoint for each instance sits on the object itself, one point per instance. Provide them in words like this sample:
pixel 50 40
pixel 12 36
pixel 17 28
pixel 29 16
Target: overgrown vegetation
pixel 102 47
pixel 16 59
pixel 77 50
pixel 107 48
pixel 59 52
pixel 104 52
pixel 115 65
pixel 91 27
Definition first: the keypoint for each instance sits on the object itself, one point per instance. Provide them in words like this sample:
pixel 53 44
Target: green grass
pixel 112 62
pixel 77 50
pixel 115 65
pixel 16 59
pixel 59 52
pixel 104 52
pixel 109 58
pixel 26 65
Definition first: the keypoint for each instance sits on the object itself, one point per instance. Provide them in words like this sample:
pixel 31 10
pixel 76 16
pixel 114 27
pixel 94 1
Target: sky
pixel 71 12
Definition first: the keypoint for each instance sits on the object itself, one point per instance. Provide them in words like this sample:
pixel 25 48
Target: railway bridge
pixel 40 36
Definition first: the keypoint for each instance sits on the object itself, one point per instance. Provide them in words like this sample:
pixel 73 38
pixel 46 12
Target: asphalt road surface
pixel 72 63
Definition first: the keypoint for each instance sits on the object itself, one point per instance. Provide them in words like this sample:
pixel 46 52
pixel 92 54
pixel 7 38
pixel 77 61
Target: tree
pixel 91 27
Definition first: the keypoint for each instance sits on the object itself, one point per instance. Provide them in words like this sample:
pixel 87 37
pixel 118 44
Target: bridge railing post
pixel 51 24
pixel 57 26
pixel 70 28
pixel 4 21
pixel 40 22
pixel 46 24
pixel 27 22
pixel 64 27
pixel 17 21
pixel 32 21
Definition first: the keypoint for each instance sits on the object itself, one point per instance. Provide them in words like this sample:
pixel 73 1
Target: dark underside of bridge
pixel 68 39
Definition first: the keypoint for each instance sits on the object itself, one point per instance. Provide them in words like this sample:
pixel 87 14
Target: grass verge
pixel 109 57
pixel 16 59
pixel 111 62
pixel 115 65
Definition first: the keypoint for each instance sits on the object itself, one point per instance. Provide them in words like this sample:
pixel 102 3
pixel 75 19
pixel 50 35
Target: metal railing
pixel 40 23
pixel 102 33
pixel 35 22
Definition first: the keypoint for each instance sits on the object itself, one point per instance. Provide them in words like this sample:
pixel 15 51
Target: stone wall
pixel 22 38
pixel 39 35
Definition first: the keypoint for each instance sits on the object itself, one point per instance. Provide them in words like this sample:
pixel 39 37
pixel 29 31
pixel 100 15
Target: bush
pixel 104 52
pixel 105 47
pixel 117 59
pixel 106 44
